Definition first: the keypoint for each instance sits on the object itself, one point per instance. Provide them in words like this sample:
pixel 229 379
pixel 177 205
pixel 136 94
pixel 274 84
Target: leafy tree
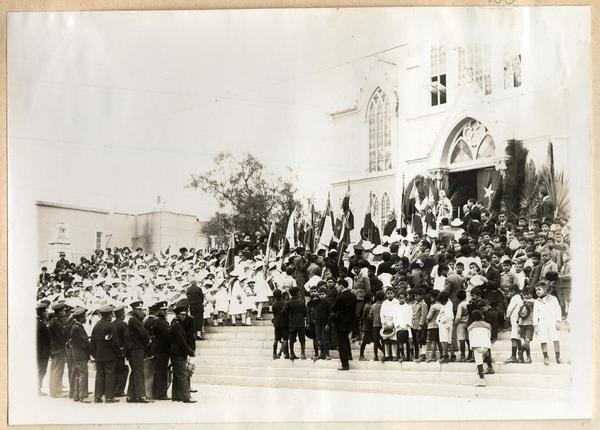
pixel 250 197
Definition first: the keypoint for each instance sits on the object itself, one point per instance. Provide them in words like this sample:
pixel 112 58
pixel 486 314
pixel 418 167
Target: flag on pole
pixel 290 233
pixel 326 228
pixel 309 231
pixel 268 250
pixel 348 218
pixel 230 259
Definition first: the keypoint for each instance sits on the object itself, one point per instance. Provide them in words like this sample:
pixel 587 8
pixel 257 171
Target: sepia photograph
pixel 308 215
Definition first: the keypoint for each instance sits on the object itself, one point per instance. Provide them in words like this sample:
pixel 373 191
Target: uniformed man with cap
pixel 149 359
pixel 161 345
pixel 80 355
pixel 57 348
pixel 121 369
pixel 68 353
pixel 179 351
pixel 43 343
pixel 138 340
pixel 105 349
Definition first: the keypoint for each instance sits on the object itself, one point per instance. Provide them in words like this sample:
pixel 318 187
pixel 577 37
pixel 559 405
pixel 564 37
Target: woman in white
pixel 237 306
pixel 221 301
pixel 261 289
pixel 249 300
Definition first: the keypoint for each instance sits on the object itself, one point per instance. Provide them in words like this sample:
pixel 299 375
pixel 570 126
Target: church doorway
pixel 466 184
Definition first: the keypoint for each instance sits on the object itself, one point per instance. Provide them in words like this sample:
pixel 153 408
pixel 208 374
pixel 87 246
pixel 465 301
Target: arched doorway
pixel 470 154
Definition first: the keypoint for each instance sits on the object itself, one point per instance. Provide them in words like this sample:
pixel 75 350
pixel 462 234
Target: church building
pixel 446 109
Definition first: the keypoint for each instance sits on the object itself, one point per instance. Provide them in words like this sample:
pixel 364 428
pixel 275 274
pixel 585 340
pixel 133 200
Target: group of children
pixel 421 326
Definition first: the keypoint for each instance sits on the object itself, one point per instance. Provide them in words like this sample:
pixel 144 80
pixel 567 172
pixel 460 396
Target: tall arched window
pixel 380 132
pixel 386 208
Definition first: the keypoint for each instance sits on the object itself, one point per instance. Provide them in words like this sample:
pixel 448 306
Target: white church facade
pixel 447 112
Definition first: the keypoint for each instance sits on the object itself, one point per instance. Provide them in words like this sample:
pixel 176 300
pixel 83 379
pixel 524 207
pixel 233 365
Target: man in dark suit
pixel 487 225
pixel 80 355
pixel 57 348
pixel 491 272
pixel 296 309
pixel 137 340
pixel 161 344
pixel 121 369
pixel 105 349
pixel 299 263
pixel 179 351
pixel 343 315
pixel 43 344
pixel 195 298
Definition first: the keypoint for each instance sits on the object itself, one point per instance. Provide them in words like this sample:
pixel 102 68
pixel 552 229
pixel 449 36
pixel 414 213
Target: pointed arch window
pixel 471 142
pixel 380 133
pixel 374 208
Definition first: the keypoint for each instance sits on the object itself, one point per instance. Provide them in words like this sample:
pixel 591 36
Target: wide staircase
pixel 243 356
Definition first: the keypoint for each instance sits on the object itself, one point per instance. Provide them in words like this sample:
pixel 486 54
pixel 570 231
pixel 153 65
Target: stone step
pixel 397 376
pixel 258 332
pixel 264 362
pixel 208 349
pixel 346 382
pixel 498 346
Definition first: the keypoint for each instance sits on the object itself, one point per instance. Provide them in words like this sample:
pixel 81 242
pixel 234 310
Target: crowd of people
pixel 442 295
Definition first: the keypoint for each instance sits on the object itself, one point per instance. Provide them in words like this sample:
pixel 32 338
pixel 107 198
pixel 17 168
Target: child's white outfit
pixel 480 334
pixel 512 313
pixel 546 313
pixel 444 321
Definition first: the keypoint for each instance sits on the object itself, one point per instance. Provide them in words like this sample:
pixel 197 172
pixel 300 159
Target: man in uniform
pixel 121 369
pixel 43 344
pixel 105 349
pixel 195 298
pixel 138 340
pixel 179 351
pixel 161 344
pixel 68 353
pixel 150 359
pixel 80 355
pixel 57 348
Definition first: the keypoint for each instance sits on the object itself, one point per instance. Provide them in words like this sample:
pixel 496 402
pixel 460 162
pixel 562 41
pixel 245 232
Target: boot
pixel 275 355
pixel 286 350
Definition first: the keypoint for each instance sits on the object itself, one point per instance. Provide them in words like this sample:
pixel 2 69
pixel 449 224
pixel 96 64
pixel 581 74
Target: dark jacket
pixel 386 267
pixel 57 336
pixel 179 345
pixel 195 298
pixel 161 343
pixel 137 336
pixel 80 344
pixel 104 344
pixel 280 316
pixel 189 324
pixel 344 310
pixel 296 308
pixel 120 328
pixel 318 311
pixel 493 276
pixel 43 339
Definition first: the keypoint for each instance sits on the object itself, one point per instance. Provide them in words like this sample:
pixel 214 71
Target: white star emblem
pixel 488 192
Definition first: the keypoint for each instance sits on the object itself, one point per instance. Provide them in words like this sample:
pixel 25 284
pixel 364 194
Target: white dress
pixel 249 298
pixel 221 300
pixel 237 305
pixel 261 288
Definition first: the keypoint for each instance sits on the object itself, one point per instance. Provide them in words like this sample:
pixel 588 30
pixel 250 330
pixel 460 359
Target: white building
pixel 446 109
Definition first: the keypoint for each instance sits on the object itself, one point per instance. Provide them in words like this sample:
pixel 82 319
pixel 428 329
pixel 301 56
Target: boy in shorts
pixel 512 315
pixel 280 323
pixel 525 322
pixel 461 320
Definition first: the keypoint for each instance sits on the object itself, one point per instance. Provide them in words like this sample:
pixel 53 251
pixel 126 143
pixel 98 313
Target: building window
pixel 474 66
pixel 438 76
pixel 471 142
pixel 98 240
pixel 386 207
pixel 380 133
pixel 512 70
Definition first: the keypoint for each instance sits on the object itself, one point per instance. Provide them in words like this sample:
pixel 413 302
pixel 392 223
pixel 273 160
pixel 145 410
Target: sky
pixel 110 109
